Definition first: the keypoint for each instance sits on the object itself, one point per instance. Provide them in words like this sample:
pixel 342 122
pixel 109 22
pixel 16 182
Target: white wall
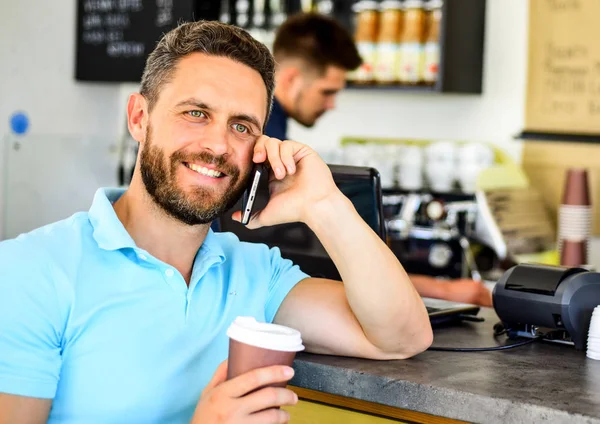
pixel 495 116
pixel 37 57
pixel 37 48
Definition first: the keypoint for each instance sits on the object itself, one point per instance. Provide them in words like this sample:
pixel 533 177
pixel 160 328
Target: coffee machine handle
pixel 469 259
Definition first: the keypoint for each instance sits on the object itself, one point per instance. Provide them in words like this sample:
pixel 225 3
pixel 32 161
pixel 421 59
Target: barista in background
pixel 313 54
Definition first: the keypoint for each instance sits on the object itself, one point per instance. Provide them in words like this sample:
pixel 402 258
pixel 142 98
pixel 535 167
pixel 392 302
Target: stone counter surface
pixel 536 383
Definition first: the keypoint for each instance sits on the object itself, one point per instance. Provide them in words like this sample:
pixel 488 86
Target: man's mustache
pixel 219 161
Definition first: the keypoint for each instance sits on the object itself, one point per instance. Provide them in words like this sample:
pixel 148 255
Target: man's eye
pixel 196 114
pixel 240 128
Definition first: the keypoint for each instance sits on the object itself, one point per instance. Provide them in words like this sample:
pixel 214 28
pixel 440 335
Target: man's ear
pixel 137 117
pixel 290 78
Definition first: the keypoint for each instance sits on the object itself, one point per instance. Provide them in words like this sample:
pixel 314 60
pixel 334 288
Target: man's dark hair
pixel 211 38
pixel 318 40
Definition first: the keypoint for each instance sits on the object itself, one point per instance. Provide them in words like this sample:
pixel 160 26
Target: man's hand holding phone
pixel 239 401
pixel 299 180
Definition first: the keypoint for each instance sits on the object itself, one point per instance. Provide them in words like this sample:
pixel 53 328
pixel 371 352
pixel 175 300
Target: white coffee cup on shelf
pixel 384 163
pixel 441 152
pixel 410 177
pixel 412 154
pixel 410 167
pixel 475 154
pixel 441 176
pixel 355 154
pixel 472 159
pixel 467 177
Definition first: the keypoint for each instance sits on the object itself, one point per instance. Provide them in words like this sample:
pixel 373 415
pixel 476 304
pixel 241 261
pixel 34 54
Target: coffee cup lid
pixel 249 331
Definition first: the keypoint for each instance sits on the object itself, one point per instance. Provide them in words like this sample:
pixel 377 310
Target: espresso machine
pixel 433 234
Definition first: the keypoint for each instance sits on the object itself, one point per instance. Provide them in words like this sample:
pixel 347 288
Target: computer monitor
pixel 297 242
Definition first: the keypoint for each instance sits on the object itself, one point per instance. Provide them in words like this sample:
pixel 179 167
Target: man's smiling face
pixel 196 158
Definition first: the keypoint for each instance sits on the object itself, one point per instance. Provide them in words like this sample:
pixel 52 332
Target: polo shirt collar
pixel 212 247
pixel 110 234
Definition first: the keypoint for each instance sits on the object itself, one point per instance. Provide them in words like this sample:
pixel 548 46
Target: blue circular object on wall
pixel 19 122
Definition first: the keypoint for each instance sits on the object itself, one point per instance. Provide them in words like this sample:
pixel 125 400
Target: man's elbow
pixel 418 342
pixel 422 342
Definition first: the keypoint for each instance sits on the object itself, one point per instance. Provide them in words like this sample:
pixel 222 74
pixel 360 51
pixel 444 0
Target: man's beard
pixel 201 205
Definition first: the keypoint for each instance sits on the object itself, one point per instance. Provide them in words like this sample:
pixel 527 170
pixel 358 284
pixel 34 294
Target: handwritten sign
pixel 114 37
pixel 563 87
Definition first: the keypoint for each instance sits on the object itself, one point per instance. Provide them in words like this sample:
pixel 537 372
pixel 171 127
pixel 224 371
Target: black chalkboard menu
pixel 114 37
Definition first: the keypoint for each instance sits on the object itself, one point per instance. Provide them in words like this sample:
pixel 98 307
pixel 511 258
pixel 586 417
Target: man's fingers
pixel 255 221
pixel 274 157
pixel 245 383
pixel 286 151
pixel 281 155
pixel 269 397
pixel 260 153
pixel 219 376
pixel 237 216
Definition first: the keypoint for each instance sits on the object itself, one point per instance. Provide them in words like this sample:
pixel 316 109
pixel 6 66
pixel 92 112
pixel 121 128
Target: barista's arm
pixel 461 290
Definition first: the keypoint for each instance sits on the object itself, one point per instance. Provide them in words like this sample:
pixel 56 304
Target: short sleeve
pixel 31 322
pixel 284 276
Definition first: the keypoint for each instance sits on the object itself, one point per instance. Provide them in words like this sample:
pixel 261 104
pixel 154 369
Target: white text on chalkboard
pixel 125 49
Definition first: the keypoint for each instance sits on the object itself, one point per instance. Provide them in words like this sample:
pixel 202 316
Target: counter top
pixel 539 382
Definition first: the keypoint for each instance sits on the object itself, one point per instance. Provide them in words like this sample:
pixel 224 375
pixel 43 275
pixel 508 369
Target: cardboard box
pixel 545 164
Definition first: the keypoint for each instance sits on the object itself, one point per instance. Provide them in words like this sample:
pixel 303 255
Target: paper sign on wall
pixel 563 89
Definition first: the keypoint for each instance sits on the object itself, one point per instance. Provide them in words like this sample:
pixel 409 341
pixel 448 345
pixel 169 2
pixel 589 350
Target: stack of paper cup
pixel 593 344
pixel 574 219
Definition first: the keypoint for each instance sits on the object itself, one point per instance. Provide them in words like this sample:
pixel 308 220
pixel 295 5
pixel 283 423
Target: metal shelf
pixel 559 137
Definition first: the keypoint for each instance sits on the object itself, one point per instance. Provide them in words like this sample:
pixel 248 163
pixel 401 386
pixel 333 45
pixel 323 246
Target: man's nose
pixel 215 138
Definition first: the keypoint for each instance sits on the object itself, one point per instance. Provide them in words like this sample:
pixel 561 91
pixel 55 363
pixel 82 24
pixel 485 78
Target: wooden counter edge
pixel 371 407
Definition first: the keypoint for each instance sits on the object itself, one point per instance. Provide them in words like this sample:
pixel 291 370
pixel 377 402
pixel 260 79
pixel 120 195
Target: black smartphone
pixel 250 192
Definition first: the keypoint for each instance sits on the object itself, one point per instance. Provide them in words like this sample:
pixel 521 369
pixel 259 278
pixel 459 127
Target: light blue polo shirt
pixel 114 335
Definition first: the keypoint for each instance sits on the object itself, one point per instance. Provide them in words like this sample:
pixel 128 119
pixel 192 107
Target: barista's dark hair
pixel 318 40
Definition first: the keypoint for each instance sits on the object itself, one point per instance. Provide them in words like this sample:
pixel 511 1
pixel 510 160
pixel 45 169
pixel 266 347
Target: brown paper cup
pixel 254 345
pixel 573 253
pixel 576 191
pixel 244 358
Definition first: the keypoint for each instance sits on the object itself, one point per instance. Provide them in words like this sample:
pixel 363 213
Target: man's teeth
pixel 205 171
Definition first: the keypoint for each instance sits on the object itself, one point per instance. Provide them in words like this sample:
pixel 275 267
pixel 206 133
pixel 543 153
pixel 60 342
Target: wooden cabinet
pixel 323 408
pixel 308 412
